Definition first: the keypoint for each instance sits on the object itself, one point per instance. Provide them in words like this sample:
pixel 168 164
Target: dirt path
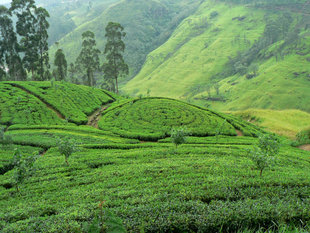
pixel 239 133
pixel 305 147
pixel 42 100
pixel 95 117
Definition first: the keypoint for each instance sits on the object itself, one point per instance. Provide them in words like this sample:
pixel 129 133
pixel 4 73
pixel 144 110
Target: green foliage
pixel 88 60
pixel 66 147
pixel 105 221
pixel 72 102
pixel 263 156
pixel 20 107
pixel 115 67
pixel 150 119
pixel 24 168
pixel 178 136
pixel 61 63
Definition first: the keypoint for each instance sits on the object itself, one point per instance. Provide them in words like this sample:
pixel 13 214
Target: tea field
pixel 128 172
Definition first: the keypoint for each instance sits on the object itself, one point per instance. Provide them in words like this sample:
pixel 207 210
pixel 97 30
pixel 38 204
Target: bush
pixel 263 155
pixel 67 147
pixel 178 136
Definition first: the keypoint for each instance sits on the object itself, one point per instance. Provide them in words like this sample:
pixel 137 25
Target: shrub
pixel 67 147
pixel 178 136
pixel 263 155
pixel 24 168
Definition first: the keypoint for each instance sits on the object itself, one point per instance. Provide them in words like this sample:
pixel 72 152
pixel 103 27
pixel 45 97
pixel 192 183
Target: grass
pixel 284 122
pixel 200 48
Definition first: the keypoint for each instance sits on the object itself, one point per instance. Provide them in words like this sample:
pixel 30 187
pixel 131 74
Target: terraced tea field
pixel 130 167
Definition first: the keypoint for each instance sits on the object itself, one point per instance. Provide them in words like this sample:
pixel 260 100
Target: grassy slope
pixel 147 24
pixel 184 62
pixel 285 122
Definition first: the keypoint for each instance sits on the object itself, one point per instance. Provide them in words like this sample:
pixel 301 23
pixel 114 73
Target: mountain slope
pixel 147 24
pixel 210 54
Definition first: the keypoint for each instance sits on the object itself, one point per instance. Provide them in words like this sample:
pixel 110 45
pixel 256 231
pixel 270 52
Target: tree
pixel 115 66
pixel 263 155
pixel 88 59
pixel 26 29
pixel 61 63
pixel 41 37
pixel 10 60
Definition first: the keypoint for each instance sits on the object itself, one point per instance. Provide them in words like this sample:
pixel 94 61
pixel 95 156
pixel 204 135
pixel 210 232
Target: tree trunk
pixel 116 84
pixel 261 172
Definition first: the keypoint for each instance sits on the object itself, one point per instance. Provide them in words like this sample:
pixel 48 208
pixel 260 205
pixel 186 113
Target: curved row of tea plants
pixel 73 102
pixel 153 118
pixel 19 107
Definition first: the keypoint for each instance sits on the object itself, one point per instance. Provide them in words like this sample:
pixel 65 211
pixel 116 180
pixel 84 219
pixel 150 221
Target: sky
pixel 4 1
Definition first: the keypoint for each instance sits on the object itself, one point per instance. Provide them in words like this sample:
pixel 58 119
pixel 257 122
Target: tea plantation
pixel 129 169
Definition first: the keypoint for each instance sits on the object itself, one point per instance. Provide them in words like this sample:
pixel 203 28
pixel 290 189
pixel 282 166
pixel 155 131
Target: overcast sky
pixel 4 1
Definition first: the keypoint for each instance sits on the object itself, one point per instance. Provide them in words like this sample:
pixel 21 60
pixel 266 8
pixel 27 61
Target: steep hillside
pixel 147 24
pixel 231 56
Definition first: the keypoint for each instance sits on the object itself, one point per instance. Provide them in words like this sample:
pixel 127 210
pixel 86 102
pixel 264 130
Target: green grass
pixel 200 48
pixel 285 122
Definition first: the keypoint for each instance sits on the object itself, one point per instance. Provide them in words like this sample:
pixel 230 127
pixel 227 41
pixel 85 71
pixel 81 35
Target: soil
pixel 305 147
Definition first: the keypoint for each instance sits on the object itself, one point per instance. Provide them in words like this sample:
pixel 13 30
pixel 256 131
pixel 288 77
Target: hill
pixel 147 23
pixel 130 169
pixel 230 55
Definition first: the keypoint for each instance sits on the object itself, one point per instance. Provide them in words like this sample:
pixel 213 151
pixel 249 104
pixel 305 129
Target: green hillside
pixel 231 56
pixel 208 184
pixel 284 122
pixel 35 103
pixel 147 24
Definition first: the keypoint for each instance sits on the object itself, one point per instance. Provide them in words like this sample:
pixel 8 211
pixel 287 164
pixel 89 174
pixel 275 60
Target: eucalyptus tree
pixel 26 30
pixel 41 27
pixel 88 60
pixel 114 49
pixel 61 65
pixel 10 60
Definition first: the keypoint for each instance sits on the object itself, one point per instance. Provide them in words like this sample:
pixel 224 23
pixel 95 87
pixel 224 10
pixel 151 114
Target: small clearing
pixel 95 117
pixel 305 147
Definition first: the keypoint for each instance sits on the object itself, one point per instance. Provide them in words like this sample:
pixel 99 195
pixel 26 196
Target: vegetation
pixel 178 136
pixel 206 185
pixel 61 63
pixel 115 66
pixel 88 59
pixel 239 50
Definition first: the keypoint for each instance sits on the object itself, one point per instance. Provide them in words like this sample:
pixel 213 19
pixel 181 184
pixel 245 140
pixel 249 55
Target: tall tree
pixel 25 28
pixel 115 66
pixel 61 63
pixel 9 57
pixel 88 60
pixel 41 37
